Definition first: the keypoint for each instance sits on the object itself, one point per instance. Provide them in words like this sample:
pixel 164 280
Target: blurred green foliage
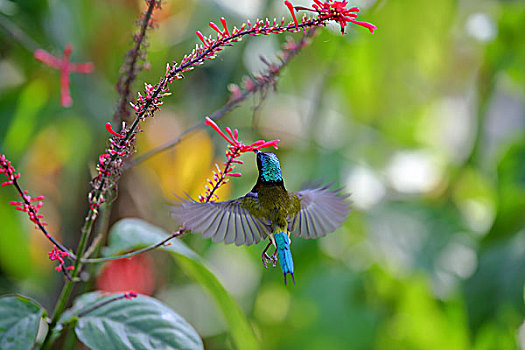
pixel 423 121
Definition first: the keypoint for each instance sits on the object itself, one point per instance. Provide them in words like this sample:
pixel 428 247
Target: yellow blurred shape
pixel 272 304
pixel 185 167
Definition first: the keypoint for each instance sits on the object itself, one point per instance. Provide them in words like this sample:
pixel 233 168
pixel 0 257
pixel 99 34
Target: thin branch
pixel 177 233
pixel 130 68
pixel 260 83
pixel 129 295
pixel 26 204
pixel 18 34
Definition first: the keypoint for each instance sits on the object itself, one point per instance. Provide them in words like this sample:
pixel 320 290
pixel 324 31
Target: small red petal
pixel 290 7
pixel 214 26
pixel 211 123
pixel 229 131
pixel 199 34
pixel 225 25
pixel 111 131
pixel 367 25
pixel 268 144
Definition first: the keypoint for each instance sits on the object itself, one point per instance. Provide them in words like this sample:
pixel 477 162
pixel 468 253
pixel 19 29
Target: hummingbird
pixel 267 211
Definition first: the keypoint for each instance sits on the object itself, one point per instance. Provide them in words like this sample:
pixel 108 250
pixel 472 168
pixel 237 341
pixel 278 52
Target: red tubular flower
pixel 225 25
pixel 214 26
pixel 235 149
pixel 65 67
pixel 235 143
pixel 290 7
pixel 201 37
pixel 337 11
pixel 134 275
pixel 111 131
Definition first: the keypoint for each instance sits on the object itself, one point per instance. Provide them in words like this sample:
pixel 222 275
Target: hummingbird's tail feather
pixel 285 254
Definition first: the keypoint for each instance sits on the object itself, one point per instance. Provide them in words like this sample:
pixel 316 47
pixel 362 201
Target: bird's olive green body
pixel 274 203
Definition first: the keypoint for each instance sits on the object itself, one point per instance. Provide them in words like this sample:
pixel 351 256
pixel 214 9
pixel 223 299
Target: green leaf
pixel 129 234
pixel 139 323
pixel 19 320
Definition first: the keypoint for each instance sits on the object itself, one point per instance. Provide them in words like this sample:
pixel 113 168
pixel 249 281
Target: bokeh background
pixel 423 122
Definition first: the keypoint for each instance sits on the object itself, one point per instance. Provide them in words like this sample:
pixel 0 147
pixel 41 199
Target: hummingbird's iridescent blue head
pixel 269 167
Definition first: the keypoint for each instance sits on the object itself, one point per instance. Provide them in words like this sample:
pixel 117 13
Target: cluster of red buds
pixel 235 149
pixel 59 255
pixel 148 104
pixel 8 170
pixel 29 205
pixel 335 11
pixel 109 166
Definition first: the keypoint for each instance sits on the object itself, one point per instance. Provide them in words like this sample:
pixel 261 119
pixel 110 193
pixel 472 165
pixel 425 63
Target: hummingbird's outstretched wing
pixel 322 211
pixel 228 221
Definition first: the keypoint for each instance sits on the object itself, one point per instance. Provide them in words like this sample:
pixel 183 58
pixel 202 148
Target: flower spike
pixel 235 149
pixel 336 11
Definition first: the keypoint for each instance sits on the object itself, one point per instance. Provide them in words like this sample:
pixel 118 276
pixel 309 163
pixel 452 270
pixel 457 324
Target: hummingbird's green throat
pixel 269 168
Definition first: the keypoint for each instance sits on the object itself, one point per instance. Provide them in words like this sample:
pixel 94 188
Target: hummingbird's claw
pixel 274 259
pixel 265 258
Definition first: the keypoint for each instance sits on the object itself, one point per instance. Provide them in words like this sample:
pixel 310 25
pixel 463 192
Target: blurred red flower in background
pixel 128 274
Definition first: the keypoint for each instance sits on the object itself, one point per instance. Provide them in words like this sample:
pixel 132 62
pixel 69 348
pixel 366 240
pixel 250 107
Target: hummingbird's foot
pixel 266 258
pixel 274 259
